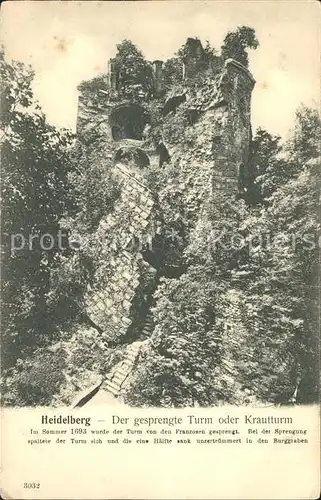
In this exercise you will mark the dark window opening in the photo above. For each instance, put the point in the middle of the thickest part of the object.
(116, 133)
(128, 122)
(172, 104)
(153, 255)
(193, 116)
(134, 156)
(164, 156)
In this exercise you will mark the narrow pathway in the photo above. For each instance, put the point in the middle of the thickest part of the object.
(123, 369)
(108, 390)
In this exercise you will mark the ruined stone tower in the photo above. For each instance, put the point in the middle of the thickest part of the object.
(219, 117)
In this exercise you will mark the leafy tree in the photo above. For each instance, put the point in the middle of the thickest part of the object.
(172, 72)
(182, 366)
(95, 84)
(280, 291)
(96, 90)
(305, 141)
(34, 381)
(211, 57)
(15, 88)
(266, 167)
(273, 164)
(94, 187)
(134, 72)
(35, 194)
(236, 43)
(177, 368)
(278, 278)
(94, 190)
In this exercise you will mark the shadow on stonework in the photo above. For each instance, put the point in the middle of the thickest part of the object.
(128, 121)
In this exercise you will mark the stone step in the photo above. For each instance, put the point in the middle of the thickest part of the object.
(131, 354)
(118, 379)
(133, 350)
(134, 345)
(114, 392)
(131, 359)
(128, 368)
(113, 385)
(121, 371)
(127, 363)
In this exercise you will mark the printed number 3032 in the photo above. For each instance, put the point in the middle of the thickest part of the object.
(33, 486)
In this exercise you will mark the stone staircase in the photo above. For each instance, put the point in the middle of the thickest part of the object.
(107, 391)
(114, 383)
(148, 326)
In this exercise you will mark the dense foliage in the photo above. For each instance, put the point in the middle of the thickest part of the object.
(135, 73)
(251, 305)
(48, 195)
(235, 310)
(35, 195)
(237, 42)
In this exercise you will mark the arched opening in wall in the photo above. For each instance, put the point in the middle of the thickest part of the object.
(164, 156)
(193, 116)
(172, 104)
(116, 133)
(128, 122)
(132, 156)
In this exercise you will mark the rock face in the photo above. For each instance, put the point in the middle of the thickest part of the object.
(219, 117)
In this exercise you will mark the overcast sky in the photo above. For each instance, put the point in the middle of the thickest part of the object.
(67, 42)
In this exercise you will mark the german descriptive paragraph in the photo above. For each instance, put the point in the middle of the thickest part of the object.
(166, 431)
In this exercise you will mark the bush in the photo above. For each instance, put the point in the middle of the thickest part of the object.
(34, 382)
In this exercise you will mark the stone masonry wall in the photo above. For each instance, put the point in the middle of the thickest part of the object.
(123, 235)
(124, 280)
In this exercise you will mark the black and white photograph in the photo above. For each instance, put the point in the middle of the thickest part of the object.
(160, 204)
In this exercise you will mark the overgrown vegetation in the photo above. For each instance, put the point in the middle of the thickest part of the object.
(236, 43)
(232, 324)
(253, 307)
(35, 195)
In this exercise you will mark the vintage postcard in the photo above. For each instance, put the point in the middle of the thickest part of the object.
(160, 193)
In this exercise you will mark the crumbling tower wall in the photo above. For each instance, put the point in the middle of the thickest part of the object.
(117, 303)
(126, 279)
